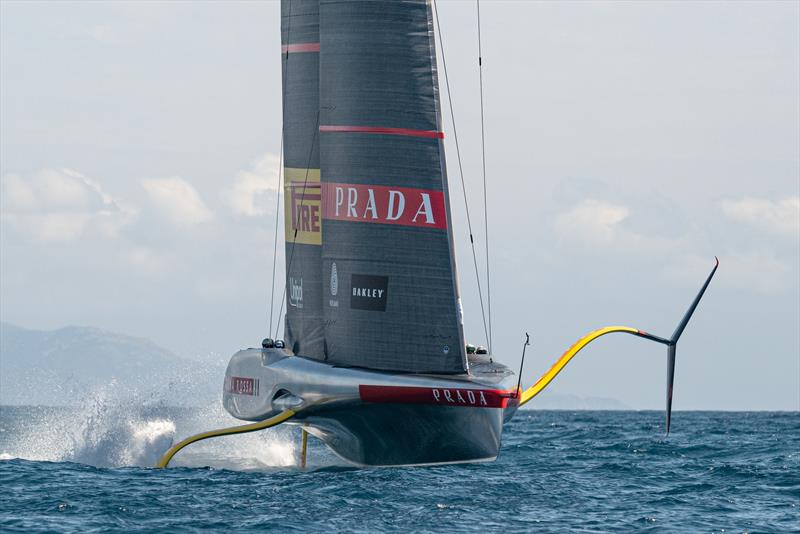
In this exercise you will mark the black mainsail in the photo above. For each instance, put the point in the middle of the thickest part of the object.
(304, 332)
(371, 279)
(389, 281)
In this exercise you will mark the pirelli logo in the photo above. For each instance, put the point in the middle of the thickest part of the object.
(241, 385)
(303, 212)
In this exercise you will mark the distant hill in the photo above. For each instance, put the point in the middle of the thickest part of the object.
(552, 400)
(60, 367)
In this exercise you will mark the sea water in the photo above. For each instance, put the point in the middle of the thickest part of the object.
(88, 469)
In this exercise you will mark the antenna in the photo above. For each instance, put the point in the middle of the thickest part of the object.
(522, 363)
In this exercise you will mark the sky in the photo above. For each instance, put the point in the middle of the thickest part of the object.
(627, 144)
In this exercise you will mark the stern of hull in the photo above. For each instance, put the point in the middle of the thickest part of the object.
(374, 418)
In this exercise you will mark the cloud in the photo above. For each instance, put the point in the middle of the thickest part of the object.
(103, 33)
(598, 224)
(60, 205)
(253, 191)
(781, 217)
(760, 271)
(591, 221)
(147, 261)
(178, 200)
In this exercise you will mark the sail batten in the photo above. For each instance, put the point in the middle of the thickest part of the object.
(382, 130)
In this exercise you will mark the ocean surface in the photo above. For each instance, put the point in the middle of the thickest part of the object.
(87, 469)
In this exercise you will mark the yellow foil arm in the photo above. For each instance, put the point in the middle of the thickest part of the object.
(548, 377)
(261, 425)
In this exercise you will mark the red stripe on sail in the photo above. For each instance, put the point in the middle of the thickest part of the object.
(384, 130)
(300, 47)
(378, 204)
(465, 397)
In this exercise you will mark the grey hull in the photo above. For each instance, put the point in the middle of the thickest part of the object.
(375, 418)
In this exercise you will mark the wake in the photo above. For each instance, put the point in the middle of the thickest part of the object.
(114, 428)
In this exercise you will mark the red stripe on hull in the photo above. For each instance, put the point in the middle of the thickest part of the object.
(431, 134)
(300, 47)
(465, 397)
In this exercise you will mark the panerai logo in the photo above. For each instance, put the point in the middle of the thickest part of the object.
(368, 292)
(334, 280)
(296, 292)
(334, 302)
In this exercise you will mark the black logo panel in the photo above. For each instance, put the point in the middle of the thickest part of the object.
(368, 292)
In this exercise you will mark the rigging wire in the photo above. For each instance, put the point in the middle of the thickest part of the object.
(461, 172)
(285, 69)
(297, 222)
(485, 197)
(275, 238)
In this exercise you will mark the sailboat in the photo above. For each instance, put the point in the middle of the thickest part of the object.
(374, 362)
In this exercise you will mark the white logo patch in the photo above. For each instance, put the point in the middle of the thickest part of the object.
(334, 280)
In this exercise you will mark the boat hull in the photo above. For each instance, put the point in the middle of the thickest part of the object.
(374, 418)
